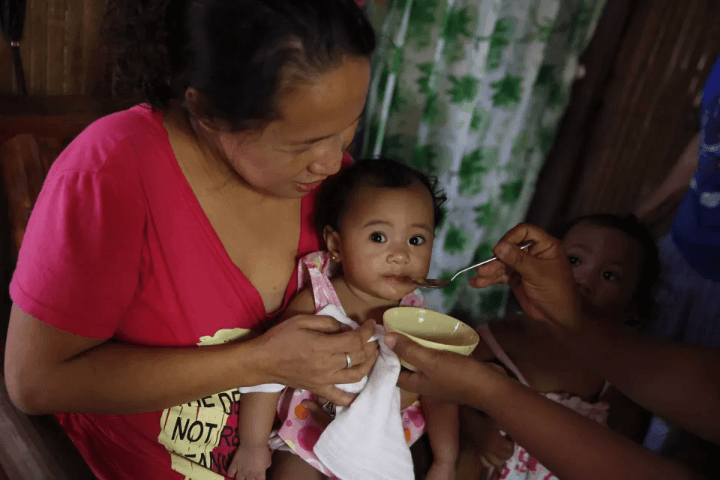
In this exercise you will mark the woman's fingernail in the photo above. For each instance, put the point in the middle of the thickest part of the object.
(503, 249)
(390, 340)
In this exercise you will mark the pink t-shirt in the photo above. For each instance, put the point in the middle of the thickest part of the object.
(118, 247)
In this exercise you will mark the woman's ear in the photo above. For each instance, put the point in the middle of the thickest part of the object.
(332, 240)
(197, 105)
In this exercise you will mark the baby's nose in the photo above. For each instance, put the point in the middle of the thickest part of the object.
(585, 286)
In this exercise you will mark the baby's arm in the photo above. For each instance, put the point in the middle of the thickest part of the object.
(256, 417)
(257, 413)
(481, 444)
(625, 416)
(443, 427)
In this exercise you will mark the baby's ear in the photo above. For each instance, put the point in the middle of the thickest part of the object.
(332, 240)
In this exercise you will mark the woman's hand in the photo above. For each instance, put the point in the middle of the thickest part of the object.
(541, 278)
(308, 352)
(446, 376)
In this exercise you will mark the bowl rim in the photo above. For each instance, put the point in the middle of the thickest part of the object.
(474, 339)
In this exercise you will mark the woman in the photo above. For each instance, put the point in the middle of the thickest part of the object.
(689, 290)
(679, 382)
(178, 224)
(689, 293)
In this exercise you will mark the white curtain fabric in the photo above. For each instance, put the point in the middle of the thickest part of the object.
(472, 91)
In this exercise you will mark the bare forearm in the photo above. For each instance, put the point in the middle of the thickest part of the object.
(571, 446)
(675, 381)
(116, 378)
(676, 181)
(443, 428)
(257, 414)
(627, 417)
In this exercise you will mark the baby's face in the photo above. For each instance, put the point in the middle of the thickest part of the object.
(386, 240)
(606, 265)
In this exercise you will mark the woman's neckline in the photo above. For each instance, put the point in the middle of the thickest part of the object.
(175, 132)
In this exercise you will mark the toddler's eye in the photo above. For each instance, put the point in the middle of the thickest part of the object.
(417, 240)
(611, 276)
(574, 261)
(377, 237)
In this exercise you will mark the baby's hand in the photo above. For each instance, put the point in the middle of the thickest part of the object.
(250, 462)
(483, 435)
(498, 450)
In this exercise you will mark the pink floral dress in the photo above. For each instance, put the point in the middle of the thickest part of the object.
(299, 432)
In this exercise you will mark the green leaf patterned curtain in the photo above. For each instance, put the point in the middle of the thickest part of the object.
(472, 91)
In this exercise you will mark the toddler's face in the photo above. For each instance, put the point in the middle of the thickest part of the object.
(606, 265)
(386, 240)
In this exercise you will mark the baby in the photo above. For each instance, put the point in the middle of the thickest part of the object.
(615, 264)
(378, 219)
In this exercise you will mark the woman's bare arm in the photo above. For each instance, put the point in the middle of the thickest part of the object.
(627, 417)
(676, 181)
(570, 445)
(48, 370)
(678, 382)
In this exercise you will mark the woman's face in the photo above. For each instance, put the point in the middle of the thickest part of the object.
(292, 155)
(606, 265)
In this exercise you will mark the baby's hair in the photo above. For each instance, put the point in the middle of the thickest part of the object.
(335, 192)
(649, 268)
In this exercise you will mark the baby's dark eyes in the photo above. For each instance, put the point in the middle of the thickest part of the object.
(611, 276)
(417, 240)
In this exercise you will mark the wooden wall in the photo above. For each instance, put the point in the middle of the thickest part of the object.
(628, 120)
(58, 48)
(634, 112)
(65, 70)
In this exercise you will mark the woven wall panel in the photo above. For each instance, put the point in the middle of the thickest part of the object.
(648, 113)
(58, 48)
(631, 116)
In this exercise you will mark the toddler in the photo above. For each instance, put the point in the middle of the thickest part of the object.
(378, 219)
(615, 264)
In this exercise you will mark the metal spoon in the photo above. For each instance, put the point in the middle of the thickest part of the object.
(438, 283)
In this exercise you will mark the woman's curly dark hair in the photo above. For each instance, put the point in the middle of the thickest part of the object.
(649, 267)
(239, 54)
(335, 192)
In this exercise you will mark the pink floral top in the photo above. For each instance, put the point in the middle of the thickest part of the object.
(299, 431)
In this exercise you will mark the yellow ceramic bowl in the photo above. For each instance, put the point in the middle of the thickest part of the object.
(431, 329)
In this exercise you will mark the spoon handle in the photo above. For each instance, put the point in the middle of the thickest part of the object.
(524, 246)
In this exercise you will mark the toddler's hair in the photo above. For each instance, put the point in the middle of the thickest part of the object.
(335, 192)
(649, 268)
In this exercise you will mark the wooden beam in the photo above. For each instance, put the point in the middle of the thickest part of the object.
(57, 116)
